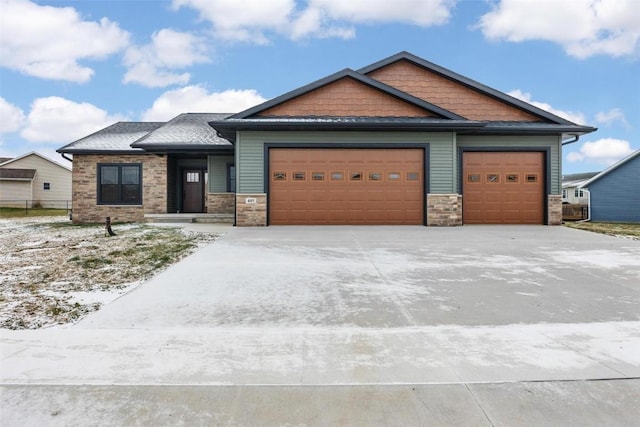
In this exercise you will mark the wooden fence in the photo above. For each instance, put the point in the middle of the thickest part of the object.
(574, 212)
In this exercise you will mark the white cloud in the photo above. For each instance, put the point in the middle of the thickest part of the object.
(151, 65)
(242, 20)
(256, 20)
(612, 116)
(196, 99)
(59, 120)
(11, 117)
(48, 42)
(572, 116)
(583, 27)
(605, 151)
(417, 12)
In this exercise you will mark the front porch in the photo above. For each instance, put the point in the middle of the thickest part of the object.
(211, 218)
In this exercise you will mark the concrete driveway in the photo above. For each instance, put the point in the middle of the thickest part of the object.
(390, 277)
(353, 325)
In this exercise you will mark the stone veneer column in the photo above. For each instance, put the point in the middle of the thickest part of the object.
(554, 209)
(221, 203)
(444, 210)
(251, 210)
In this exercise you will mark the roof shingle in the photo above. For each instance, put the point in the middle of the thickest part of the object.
(187, 129)
(21, 174)
(117, 137)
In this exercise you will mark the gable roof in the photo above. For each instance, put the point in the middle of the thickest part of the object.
(116, 138)
(33, 153)
(17, 174)
(184, 132)
(389, 90)
(574, 180)
(611, 168)
(465, 81)
(539, 122)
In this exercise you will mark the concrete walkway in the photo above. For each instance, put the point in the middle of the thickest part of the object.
(352, 325)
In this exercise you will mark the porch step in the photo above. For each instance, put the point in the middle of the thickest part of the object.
(189, 218)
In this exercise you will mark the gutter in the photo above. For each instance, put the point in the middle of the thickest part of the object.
(66, 158)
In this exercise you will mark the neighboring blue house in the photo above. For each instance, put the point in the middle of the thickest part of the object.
(615, 192)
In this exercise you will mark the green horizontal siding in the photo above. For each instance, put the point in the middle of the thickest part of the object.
(250, 149)
(443, 152)
(218, 173)
(553, 142)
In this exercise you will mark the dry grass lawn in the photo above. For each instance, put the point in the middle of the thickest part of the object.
(54, 272)
(613, 229)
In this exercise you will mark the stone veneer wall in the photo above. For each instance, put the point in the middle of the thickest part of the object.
(444, 210)
(251, 214)
(554, 209)
(221, 203)
(85, 188)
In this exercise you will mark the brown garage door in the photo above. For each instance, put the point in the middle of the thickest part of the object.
(346, 186)
(503, 188)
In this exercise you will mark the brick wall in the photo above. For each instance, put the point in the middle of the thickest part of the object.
(250, 214)
(444, 210)
(554, 209)
(221, 203)
(447, 94)
(346, 97)
(85, 188)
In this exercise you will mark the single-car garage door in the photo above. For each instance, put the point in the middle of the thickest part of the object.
(346, 186)
(503, 188)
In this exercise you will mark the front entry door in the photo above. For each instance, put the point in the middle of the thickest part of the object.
(193, 190)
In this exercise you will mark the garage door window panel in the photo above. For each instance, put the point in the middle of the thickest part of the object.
(512, 178)
(355, 176)
(413, 176)
(375, 176)
(493, 178)
(317, 176)
(473, 178)
(279, 176)
(299, 176)
(337, 176)
(394, 177)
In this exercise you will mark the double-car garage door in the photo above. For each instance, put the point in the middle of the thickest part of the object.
(386, 186)
(346, 186)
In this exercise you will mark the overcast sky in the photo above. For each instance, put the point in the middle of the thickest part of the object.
(69, 68)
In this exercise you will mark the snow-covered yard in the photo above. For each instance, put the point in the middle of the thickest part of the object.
(53, 272)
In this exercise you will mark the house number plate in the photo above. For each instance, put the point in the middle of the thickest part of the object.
(250, 200)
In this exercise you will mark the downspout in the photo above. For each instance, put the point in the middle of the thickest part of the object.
(588, 206)
(65, 157)
(576, 138)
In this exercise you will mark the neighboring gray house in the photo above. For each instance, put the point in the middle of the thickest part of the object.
(571, 193)
(615, 192)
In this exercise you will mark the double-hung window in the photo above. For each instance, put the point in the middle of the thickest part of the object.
(120, 184)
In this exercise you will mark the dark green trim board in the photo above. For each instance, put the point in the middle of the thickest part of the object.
(502, 149)
(424, 146)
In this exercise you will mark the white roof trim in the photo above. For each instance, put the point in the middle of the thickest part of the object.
(610, 169)
(37, 154)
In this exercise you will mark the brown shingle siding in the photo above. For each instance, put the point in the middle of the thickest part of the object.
(344, 98)
(447, 94)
